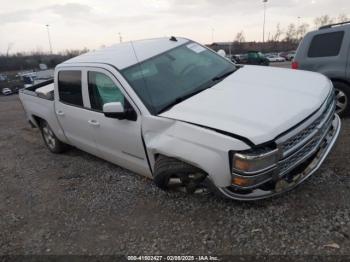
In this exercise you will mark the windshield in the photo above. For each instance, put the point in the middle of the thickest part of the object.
(261, 55)
(175, 75)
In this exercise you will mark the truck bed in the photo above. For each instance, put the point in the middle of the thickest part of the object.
(43, 90)
(39, 105)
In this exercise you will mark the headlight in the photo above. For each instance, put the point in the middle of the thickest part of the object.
(254, 162)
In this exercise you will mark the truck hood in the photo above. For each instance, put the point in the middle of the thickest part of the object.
(257, 103)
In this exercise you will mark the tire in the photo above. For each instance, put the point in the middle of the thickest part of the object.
(342, 92)
(191, 178)
(50, 139)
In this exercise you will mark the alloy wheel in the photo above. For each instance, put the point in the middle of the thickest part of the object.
(49, 137)
(341, 101)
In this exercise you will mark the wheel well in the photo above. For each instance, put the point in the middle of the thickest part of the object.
(341, 81)
(157, 155)
(38, 120)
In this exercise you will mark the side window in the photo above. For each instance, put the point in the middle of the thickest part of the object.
(252, 56)
(69, 87)
(102, 90)
(327, 44)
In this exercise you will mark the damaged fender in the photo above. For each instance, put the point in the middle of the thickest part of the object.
(198, 146)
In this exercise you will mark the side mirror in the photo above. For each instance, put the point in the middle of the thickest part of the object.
(114, 110)
(117, 110)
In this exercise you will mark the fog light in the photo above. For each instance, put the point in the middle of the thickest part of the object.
(239, 181)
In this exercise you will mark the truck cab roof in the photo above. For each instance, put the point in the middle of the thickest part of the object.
(126, 54)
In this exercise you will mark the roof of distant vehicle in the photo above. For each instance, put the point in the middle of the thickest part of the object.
(126, 54)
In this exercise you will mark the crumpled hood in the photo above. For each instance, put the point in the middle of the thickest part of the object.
(258, 103)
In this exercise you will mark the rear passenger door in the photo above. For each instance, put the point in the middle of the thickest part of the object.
(69, 107)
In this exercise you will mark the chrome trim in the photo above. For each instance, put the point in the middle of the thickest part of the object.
(252, 173)
(313, 133)
(312, 151)
(255, 177)
(252, 157)
(329, 140)
(308, 122)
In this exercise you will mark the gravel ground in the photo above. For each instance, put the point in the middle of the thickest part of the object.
(76, 203)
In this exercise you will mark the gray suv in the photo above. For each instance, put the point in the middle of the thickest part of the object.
(327, 51)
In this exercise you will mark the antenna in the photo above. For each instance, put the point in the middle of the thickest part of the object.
(173, 38)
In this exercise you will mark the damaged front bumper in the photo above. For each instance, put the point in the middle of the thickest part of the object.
(281, 184)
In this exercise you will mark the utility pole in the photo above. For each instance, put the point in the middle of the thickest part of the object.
(212, 34)
(49, 37)
(9, 47)
(298, 27)
(264, 2)
(120, 37)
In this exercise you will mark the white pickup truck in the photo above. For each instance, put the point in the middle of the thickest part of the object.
(177, 112)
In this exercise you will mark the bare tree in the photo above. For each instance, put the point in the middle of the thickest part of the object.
(301, 30)
(291, 33)
(278, 33)
(323, 20)
(343, 18)
(240, 38)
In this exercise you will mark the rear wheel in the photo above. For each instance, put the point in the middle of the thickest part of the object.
(342, 92)
(175, 175)
(51, 141)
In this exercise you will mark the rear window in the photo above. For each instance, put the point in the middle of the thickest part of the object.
(69, 87)
(328, 44)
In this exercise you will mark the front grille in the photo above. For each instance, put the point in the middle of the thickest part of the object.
(295, 140)
(300, 146)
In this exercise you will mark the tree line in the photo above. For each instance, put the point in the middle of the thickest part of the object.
(282, 39)
(32, 60)
(295, 32)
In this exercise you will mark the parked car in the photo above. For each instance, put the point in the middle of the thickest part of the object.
(284, 55)
(275, 58)
(189, 123)
(327, 51)
(253, 58)
(233, 60)
(291, 55)
(6, 91)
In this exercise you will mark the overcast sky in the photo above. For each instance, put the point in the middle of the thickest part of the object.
(75, 24)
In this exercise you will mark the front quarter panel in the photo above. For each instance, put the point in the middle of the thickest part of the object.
(198, 146)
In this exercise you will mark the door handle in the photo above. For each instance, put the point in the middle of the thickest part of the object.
(93, 123)
(59, 113)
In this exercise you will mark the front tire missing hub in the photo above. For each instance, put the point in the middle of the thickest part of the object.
(174, 175)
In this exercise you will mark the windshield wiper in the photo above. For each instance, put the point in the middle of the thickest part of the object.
(223, 76)
(180, 99)
(183, 98)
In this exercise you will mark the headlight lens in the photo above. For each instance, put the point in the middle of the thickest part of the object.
(252, 163)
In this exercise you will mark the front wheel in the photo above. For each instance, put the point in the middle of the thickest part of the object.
(342, 93)
(172, 174)
(51, 141)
